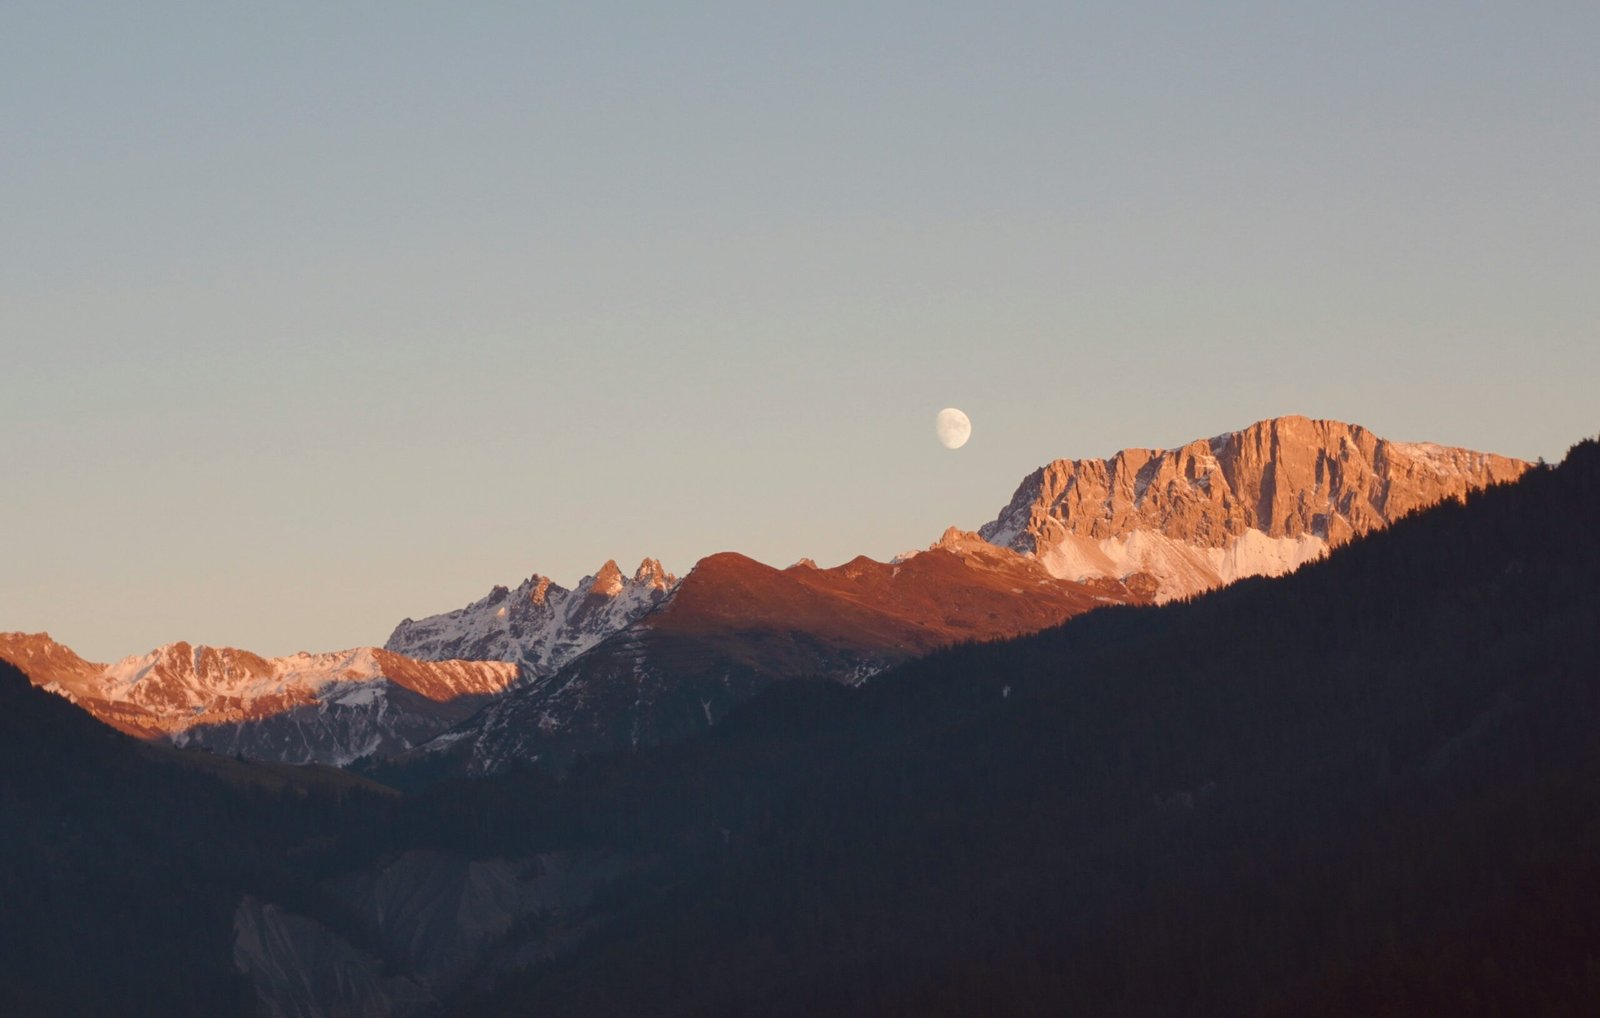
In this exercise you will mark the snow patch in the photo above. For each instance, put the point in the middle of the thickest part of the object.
(1179, 568)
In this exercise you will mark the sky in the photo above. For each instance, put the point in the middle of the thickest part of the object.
(318, 316)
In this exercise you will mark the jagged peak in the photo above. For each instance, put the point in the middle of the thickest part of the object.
(194, 652)
(20, 637)
(608, 581)
(17, 645)
(965, 544)
(653, 574)
(954, 539)
(538, 588)
(1258, 440)
(1266, 427)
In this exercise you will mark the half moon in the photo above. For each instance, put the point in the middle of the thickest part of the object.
(953, 428)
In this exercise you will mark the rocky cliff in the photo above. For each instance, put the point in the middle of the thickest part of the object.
(1260, 501)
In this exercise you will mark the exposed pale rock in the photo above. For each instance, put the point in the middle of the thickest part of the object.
(297, 967)
(428, 922)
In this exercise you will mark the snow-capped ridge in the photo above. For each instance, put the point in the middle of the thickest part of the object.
(541, 625)
(328, 708)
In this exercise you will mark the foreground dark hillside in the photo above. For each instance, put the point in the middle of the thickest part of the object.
(1370, 787)
(121, 864)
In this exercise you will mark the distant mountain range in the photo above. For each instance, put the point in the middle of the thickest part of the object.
(541, 672)
(308, 708)
(1078, 534)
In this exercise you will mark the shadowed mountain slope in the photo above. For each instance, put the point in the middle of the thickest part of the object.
(122, 862)
(1143, 525)
(1326, 793)
(735, 625)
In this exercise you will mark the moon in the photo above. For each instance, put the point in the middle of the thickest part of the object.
(952, 427)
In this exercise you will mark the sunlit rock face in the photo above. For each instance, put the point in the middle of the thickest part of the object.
(540, 625)
(1261, 501)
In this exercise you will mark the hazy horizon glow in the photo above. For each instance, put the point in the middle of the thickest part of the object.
(320, 316)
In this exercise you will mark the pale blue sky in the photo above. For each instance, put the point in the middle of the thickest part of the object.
(315, 316)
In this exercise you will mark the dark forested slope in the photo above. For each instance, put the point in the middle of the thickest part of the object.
(1372, 785)
(121, 864)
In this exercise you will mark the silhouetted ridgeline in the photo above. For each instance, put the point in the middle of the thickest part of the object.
(1371, 785)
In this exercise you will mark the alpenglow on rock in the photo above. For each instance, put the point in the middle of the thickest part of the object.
(1261, 501)
(540, 625)
(306, 708)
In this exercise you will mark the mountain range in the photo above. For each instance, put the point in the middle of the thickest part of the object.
(541, 672)
(1365, 788)
(308, 708)
(1077, 534)
(1257, 502)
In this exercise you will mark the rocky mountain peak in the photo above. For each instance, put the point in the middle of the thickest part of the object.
(542, 628)
(608, 581)
(538, 588)
(1261, 500)
(651, 573)
(47, 662)
(954, 539)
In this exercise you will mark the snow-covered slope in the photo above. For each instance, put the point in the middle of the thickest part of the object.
(541, 625)
(324, 708)
(1261, 501)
